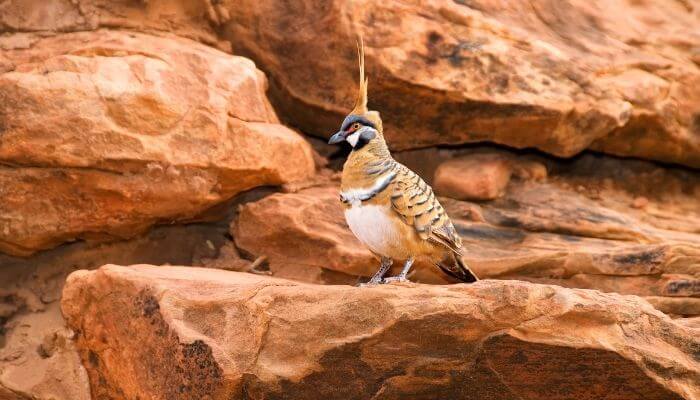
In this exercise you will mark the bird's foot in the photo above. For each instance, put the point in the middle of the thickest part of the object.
(372, 282)
(400, 278)
(378, 278)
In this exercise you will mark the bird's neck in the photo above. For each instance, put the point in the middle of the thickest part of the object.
(364, 165)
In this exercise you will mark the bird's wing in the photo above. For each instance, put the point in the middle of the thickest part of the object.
(417, 205)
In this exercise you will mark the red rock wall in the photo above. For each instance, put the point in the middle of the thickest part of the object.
(173, 132)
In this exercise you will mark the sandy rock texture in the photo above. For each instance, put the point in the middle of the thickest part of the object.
(130, 134)
(479, 177)
(38, 360)
(225, 335)
(578, 227)
(106, 133)
(193, 19)
(557, 76)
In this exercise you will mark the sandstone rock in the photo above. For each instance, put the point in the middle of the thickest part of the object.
(554, 233)
(38, 360)
(104, 134)
(561, 77)
(225, 335)
(529, 169)
(194, 19)
(640, 202)
(478, 177)
(547, 231)
(301, 231)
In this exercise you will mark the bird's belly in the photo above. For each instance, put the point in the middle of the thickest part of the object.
(376, 228)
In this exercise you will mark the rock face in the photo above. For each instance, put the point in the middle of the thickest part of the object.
(104, 134)
(225, 335)
(578, 228)
(558, 76)
(129, 134)
(194, 19)
(480, 177)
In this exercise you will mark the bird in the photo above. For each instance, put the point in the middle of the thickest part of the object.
(387, 206)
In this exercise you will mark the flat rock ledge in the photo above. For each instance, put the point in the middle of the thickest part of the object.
(146, 332)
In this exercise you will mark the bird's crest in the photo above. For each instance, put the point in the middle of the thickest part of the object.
(361, 102)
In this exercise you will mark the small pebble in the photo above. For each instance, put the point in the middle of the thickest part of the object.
(640, 202)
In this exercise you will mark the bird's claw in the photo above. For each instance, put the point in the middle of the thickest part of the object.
(399, 278)
(371, 282)
(375, 282)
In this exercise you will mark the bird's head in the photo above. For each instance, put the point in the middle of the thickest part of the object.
(361, 126)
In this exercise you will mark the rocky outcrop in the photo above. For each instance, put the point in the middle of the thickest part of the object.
(580, 227)
(193, 19)
(124, 124)
(479, 177)
(561, 77)
(225, 335)
(38, 359)
(105, 134)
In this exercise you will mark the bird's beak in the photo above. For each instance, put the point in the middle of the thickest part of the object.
(337, 138)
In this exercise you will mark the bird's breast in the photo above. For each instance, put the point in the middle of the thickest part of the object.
(374, 226)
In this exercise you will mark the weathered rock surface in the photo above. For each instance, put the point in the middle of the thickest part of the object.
(303, 235)
(479, 177)
(194, 19)
(104, 134)
(577, 228)
(225, 335)
(38, 359)
(558, 76)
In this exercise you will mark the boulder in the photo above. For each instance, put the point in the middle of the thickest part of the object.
(225, 335)
(557, 76)
(478, 177)
(38, 358)
(105, 133)
(193, 19)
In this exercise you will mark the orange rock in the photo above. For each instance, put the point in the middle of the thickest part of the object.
(560, 77)
(193, 19)
(529, 169)
(474, 177)
(38, 358)
(305, 228)
(640, 202)
(105, 134)
(546, 231)
(227, 335)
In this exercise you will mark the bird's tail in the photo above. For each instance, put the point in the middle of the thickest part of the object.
(458, 269)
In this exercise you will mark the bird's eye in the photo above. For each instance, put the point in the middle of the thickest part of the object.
(356, 126)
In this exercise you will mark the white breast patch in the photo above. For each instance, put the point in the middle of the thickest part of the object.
(373, 226)
(357, 196)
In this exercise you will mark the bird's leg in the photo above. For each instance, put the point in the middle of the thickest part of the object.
(404, 272)
(378, 277)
